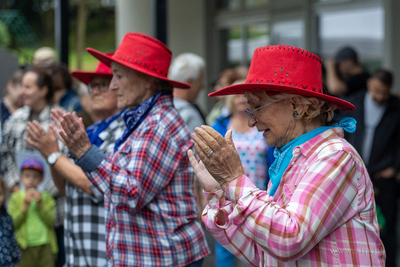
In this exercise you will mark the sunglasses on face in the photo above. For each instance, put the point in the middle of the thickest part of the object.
(102, 87)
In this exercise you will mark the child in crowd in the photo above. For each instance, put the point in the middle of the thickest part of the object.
(33, 215)
(9, 250)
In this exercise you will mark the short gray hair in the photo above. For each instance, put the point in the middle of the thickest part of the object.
(186, 66)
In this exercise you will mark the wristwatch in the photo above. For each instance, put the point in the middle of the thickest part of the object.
(53, 157)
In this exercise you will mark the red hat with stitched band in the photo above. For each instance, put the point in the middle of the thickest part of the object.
(101, 70)
(285, 69)
(144, 54)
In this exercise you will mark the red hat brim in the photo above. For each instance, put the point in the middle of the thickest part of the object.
(86, 77)
(243, 88)
(108, 59)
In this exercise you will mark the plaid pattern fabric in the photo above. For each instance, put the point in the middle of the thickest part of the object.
(85, 233)
(14, 133)
(323, 213)
(150, 205)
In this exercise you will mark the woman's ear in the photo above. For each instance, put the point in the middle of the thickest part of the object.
(297, 107)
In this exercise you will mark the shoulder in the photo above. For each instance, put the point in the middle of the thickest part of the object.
(164, 122)
(17, 195)
(20, 114)
(328, 144)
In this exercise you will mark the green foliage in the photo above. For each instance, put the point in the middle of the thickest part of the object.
(5, 37)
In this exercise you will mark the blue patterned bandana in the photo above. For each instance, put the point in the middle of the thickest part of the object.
(133, 117)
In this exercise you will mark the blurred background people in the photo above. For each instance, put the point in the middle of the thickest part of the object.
(345, 75)
(37, 96)
(64, 95)
(45, 57)
(10, 254)
(33, 216)
(188, 68)
(226, 78)
(252, 149)
(12, 100)
(84, 221)
(377, 140)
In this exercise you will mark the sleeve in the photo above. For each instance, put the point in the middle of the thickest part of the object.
(14, 247)
(47, 210)
(15, 211)
(8, 164)
(325, 198)
(140, 170)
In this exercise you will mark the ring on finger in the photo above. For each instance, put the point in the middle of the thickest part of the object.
(209, 154)
(43, 133)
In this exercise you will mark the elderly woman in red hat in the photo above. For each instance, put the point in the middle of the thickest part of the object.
(319, 208)
(151, 211)
(84, 224)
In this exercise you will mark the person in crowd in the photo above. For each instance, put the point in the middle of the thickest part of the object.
(319, 209)
(377, 140)
(33, 215)
(188, 68)
(10, 254)
(64, 96)
(45, 57)
(252, 149)
(226, 78)
(37, 95)
(84, 221)
(12, 100)
(345, 75)
(152, 213)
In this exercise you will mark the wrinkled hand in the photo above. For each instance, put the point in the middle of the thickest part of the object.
(224, 164)
(71, 132)
(45, 143)
(207, 182)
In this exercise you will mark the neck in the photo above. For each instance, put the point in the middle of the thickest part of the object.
(58, 95)
(182, 94)
(107, 113)
(239, 122)
(11, 106)
(39, 106)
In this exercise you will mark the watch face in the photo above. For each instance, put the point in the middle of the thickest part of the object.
(52, 158)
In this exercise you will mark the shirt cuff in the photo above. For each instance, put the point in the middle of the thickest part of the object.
(91, 159)
(238, 188)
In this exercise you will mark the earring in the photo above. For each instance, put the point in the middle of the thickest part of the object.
(295, 114)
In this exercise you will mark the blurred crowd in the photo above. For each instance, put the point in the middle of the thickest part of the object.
(54, 214)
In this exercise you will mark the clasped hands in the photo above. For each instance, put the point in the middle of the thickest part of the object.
(69, 129)
(219, 162)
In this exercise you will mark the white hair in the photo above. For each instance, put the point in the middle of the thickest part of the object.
(186, 66)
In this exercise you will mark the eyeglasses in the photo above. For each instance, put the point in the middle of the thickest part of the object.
(103, 87)
(250, 113)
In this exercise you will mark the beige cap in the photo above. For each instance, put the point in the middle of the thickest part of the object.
(44, 55)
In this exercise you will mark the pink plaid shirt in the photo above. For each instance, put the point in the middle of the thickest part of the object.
(323, 213)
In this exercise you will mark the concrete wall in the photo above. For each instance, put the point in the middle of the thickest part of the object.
(133, 16)
(186, 27)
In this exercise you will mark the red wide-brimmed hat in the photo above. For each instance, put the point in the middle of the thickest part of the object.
(285, 69)
(101, 70)
(144, 54)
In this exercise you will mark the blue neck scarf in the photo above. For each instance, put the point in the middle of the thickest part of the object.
(134, 117)
(94, 130)
(283, 155)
